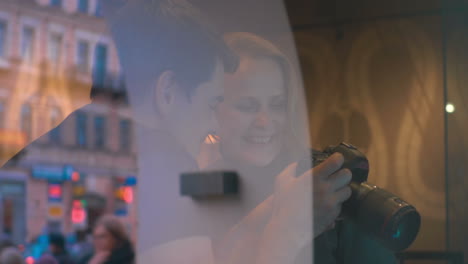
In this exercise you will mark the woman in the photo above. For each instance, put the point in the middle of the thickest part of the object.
(263, 129)
(11, 255)
(111, 243)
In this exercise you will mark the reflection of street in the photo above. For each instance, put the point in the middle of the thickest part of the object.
(64, 178)
(12, 208)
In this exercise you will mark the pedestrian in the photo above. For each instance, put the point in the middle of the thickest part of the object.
(58, 249)
(11, 255)
(47, 259)
(112, 244)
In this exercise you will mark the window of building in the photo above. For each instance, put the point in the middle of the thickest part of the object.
(100, 64)
(3, 38)
(83, 6)
(27, 44)
(56, 3)
(55, 135)
(55, 48)
(98, 11)
(125, 134)
(100, 132)
(81, 129)
(26, 120)
(83, 56)
(2, 114)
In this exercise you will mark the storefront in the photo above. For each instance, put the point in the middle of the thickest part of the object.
(13, 206)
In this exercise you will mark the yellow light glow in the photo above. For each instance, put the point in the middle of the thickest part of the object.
(450, 108)
(211, 139)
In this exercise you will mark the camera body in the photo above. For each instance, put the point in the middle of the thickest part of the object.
(381, 214)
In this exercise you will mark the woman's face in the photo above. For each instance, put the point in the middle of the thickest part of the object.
(252, 117)
(103, 239)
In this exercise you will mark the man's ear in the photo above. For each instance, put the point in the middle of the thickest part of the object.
(165, 92)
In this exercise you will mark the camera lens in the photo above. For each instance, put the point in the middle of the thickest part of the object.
(386, 217)
(406, 222)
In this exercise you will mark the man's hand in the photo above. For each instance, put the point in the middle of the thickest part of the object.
(326, 185)
(330, 191)
(290, 228)
(281, 225)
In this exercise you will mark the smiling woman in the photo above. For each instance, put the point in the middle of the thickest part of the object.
(260, 103)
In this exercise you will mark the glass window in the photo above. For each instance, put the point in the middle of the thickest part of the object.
(3, 38)
(98, 11)
(125, 134)
(100, 64)
(2, 114)
(26, 120)
(81, 128)
(55, 47)
(27, 44)
(54, 134)
(83, 6)
(83, 56)
(56, 3)
(100, 132)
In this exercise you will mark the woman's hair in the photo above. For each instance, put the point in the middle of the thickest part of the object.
(114, 226)
(11, 255)
(245, 44)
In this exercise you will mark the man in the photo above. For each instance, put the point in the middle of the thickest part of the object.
(58, 250)
(174, 64)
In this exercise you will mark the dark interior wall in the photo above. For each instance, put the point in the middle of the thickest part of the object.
(313, 12)
(456, 68)
(374, 77)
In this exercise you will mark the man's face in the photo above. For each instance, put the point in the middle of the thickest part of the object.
(195, 118)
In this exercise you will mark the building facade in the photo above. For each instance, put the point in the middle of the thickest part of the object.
(53, 55)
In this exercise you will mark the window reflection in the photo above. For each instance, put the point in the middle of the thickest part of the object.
(81, 127)
(3, 38)
(27, 43)
(83, 56)
(26, 120)
(83, 6)
(57, 3)
(55, 134)
(55, 48)
(100, 64)
(100, 132)
(125, 137)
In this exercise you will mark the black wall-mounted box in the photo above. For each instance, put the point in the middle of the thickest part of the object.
(210, 183)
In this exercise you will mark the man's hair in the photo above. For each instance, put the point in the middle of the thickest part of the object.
(57, 240)
(154, 36)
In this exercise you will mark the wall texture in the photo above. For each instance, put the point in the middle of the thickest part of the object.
(379, 85)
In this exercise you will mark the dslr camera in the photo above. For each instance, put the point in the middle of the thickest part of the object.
(382, 215)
